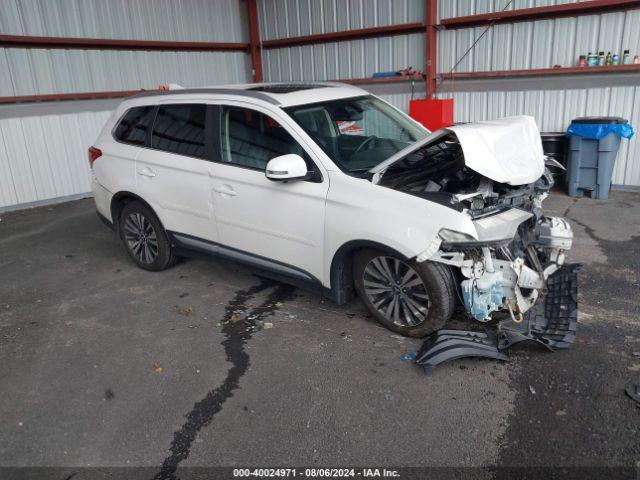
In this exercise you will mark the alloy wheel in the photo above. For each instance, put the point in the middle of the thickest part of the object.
(141, 238)
(396, 290)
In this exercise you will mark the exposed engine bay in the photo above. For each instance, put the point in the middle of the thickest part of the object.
(438, 172)
(514, 272)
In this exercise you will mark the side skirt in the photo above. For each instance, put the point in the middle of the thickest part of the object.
(190, 246)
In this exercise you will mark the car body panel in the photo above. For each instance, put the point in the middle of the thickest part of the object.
(114, 170)
(277, 220)
(359, 210)
(179, 190)
(508, 150)
(282, 221)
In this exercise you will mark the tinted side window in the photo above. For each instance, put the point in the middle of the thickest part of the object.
(134, 125)
(180, 129)
(251, 139)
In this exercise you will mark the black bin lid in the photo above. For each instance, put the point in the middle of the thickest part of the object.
(606, 120)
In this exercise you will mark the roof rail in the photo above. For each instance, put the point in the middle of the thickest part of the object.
(221, 91)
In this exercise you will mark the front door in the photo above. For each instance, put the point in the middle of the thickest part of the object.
(278, 223)
(173, 174)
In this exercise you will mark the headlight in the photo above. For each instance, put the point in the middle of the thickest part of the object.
(451, 236)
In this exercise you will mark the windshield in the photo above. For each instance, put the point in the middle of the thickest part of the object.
(357, 133)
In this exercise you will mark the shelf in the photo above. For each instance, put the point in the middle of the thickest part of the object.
(380, 81)
(613, 69)
(357, 34)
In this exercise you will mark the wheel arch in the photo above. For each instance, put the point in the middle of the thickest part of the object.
(341, 271)
(120, 200)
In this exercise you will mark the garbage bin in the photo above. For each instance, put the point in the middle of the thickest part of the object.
(593, 147)
(554, 145)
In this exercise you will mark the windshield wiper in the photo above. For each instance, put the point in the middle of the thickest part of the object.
(361, 173)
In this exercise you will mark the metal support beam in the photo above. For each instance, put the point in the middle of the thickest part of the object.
(540, 13)
(61, 97)
(254, 41)
(356, 34)
(24, 41)
(431, 10)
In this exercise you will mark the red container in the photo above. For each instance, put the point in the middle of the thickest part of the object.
(433, 114)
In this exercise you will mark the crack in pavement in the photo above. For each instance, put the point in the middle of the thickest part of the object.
(237, 332)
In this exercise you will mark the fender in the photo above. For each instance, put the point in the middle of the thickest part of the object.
(119, 200)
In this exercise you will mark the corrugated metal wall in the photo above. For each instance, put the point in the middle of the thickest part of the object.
(459, 8)
(349, 59)
(292, 18)
(525, 45)
(544, 44)
(178, 20)
(43, 156)
(553, 111)
(540, 44)
(35, 71)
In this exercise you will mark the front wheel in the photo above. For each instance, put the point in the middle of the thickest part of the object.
(409, 298)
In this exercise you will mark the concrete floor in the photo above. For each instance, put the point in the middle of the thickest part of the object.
(104, 364)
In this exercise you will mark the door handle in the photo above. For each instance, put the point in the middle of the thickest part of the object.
(226, 190)
(146, 172)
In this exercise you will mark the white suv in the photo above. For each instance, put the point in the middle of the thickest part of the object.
(330, 186)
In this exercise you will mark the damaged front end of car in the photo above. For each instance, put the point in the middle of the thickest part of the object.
(512, 273)
(515, 271)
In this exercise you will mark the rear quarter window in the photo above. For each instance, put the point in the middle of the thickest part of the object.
(180, 129)
(134, 125)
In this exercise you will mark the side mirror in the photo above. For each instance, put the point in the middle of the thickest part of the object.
(286, 167)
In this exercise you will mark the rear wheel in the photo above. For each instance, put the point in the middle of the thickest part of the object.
(409, 298)
(144, 237)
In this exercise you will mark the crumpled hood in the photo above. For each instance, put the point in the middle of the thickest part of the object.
(508, 150)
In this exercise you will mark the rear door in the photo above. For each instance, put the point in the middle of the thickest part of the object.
(173, 172)
(278, 223)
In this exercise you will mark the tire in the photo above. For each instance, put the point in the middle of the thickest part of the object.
(423, 304)
(155, 253)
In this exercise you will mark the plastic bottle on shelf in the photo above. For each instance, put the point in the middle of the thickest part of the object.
(615, 59)
(592, 60)
(635, 60)
(601, 59)
(608, 60)
(626, 58)
(582, 61)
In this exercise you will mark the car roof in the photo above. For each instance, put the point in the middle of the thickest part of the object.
(280, 94)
